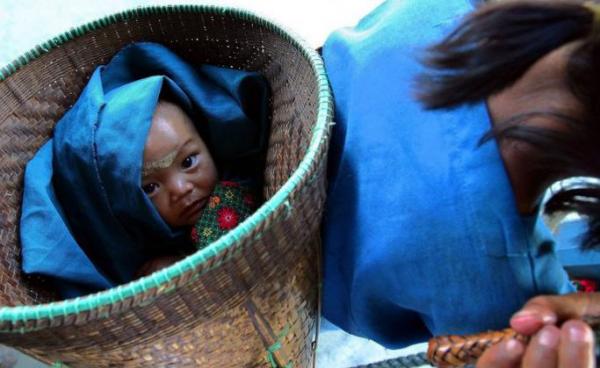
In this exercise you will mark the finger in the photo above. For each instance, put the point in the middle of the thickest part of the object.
(576, 349)
(529, 321)
(544, 310)
(506, 354)
(542, 350)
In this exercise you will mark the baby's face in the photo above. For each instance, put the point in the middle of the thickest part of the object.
(178, 174)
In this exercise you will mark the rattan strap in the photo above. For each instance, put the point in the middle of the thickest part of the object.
(459, 351)
(451, 351)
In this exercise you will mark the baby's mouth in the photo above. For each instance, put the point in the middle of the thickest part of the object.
(193, 209)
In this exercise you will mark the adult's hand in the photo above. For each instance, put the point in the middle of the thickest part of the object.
(559, 338)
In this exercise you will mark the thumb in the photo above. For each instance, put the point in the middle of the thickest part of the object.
(506, 354)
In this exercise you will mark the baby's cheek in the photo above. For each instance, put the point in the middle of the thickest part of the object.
(160, 205)
(212, 181)
(195, 219)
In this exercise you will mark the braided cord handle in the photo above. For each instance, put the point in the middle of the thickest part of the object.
(459, 351)
(463, 351)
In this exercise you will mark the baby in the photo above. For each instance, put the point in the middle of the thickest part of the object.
(131, 169)
(179, 175)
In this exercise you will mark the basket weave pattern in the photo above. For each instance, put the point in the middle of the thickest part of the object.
(227, 307)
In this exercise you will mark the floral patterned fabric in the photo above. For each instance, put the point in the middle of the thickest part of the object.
(229, 205)
(585, 285)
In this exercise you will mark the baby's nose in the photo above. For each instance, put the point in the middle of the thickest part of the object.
(180, 186)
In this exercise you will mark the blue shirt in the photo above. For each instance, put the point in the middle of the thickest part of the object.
(421, 230)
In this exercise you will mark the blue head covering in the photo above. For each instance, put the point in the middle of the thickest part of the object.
(86, 222)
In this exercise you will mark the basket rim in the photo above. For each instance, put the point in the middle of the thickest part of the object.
(159, 279)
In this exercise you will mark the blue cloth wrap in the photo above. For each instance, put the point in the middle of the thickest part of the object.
(421, 232)
(85, 220)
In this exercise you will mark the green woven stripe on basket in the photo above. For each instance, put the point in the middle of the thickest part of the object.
(279, 199)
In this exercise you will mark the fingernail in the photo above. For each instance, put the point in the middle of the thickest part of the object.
(548, 338)
(548, 319)
(530, 314)
(580, 334)
(514, 349)
(526, 316)
(524, 313)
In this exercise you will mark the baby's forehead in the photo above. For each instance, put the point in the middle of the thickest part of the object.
(170, 117)
(150, 167)
(170, 131)
(168, 108)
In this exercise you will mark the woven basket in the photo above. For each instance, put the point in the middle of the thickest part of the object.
(248, 300)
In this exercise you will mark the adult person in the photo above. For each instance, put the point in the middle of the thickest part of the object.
(432, 222)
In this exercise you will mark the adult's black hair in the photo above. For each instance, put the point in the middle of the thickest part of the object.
(491, 49)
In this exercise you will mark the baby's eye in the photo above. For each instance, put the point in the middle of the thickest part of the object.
(150, 188)
(189, 161)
